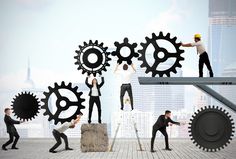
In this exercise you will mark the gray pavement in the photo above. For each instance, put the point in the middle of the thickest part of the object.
(123, 149)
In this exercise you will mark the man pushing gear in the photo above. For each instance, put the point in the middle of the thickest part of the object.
(203, 56)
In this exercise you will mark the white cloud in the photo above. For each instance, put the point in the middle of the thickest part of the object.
(168, 20)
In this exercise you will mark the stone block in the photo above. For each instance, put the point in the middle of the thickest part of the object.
(94, 138)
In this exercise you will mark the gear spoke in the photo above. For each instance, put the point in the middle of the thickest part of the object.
(155, 45)
(155, 65)
(57, 93)
(172, 55)
(62, 98)
(159, 60)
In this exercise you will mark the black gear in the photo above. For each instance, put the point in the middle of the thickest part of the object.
(25, 105)
(60, 98)
(92, 48)
(121, 58)
(211, 128)
(158, 60)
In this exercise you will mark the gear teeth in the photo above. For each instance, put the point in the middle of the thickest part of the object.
(168, 35)
(101, 45)
(90, 42)
(86, 68)
(85, 44)
(80, 47)
(174, 39)
(54, 116)
(195, 132)
(161, 34)
(23, 100)
(152, 41)
(147, 39)
(125, 44)
(154, 36)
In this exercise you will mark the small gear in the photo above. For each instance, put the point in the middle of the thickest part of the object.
(94, 67)
(25, 106)
(211, 128)
(62, 99)
(132, 54)
(166, 55)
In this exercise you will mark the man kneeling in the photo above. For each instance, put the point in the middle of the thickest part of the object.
(58, 133)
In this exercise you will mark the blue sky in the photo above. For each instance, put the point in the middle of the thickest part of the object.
(47, 32)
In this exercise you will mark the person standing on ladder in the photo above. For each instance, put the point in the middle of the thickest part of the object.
(203, 56)
(126, 74)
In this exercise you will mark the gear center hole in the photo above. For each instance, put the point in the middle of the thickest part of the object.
(63, 103)
(92, 58)
(160, 55)
(125, 51)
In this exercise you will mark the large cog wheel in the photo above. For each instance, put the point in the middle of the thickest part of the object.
(97, 50)
(131, 47)
(60, 99)
(166, 55)
(211, 128)
(25, 106)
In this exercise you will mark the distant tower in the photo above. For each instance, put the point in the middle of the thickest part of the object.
(29, 83)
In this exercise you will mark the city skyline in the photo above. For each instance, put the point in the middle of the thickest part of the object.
(39, 38)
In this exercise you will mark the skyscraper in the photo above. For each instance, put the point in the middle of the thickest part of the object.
(222, 32)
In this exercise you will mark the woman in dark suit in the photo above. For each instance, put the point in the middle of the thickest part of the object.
(94, 94)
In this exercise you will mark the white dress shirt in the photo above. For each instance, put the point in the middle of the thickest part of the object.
(200, 47)
(64, 127)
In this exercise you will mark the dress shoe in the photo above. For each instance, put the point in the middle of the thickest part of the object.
(52, 151)
(15, 148)
(168, 149)
(4, 148)
(152, 151)
(69, 148)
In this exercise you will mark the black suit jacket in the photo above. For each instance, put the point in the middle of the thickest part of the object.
(91, 86)
(10, 124)
(162, 122)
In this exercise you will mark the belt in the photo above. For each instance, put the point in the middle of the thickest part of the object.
(203, 53)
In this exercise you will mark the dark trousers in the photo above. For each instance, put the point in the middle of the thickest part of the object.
(94, 100)
(57, 135)
(163, 131)
(11, 138)
(204, 59)
(123, 89)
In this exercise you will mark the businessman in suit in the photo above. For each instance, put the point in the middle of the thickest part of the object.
(161, 124)
(11, 130)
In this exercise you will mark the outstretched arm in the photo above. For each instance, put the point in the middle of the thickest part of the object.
(132, 65)
(187, 45)
(174, 122)
(86, 82)
(12, 121)
(101, 84)
(77, 119)
(116, 69)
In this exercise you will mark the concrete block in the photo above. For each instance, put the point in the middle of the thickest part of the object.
(94, 138)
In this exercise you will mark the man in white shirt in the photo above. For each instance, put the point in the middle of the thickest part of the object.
(126, 75)
(58, 133)
(204, 59)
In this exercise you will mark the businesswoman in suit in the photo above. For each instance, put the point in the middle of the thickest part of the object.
(94, 94)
